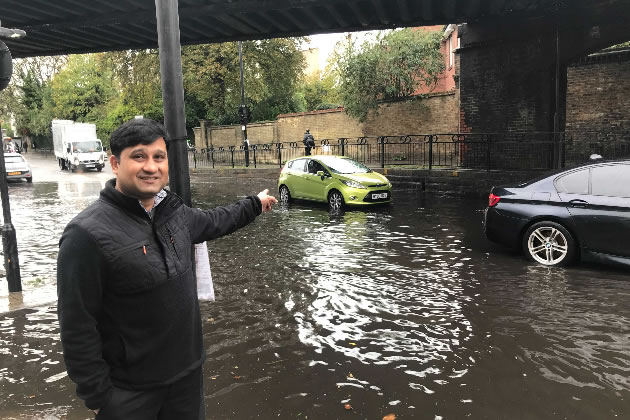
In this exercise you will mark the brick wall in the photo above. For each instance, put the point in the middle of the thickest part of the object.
(434, 114)
(437, 113)
(324, 124)
(598, 93)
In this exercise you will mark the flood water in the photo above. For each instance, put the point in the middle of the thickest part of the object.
(403, 310)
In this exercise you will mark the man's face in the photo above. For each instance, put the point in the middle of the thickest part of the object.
(142, 170)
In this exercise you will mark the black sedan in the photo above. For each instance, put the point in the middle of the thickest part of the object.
(579, 213)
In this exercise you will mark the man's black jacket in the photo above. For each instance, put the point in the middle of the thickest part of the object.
(128, 308)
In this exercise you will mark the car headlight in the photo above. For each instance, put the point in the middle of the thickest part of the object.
(353, 184)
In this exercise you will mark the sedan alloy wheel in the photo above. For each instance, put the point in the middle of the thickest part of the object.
(549, 243)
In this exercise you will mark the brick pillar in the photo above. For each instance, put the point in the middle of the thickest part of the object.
(203, 134)
(507, 84)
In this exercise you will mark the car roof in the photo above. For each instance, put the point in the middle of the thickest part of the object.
(555, 173)
(321, 156)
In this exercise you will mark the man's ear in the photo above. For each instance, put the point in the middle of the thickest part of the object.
(114, 164)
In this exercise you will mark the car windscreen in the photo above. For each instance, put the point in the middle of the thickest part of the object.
(87, 146)
(345, 166)
(13, 159)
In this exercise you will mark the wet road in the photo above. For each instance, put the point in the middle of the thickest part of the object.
(403, 310)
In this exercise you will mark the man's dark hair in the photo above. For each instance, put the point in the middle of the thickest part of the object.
(134, 132)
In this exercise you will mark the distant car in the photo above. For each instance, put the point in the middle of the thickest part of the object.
(17, 167)
(337, 180)
(579, 213)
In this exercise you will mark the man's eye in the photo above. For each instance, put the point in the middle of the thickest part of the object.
(137, 157)
(160, 157)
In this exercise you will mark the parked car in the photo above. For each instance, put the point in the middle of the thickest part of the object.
(17, 167)
(337, 180)
(579, 213)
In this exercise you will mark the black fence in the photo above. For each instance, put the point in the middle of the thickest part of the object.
(488, 151)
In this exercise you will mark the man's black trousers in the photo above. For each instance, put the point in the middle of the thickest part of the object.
(182, 400)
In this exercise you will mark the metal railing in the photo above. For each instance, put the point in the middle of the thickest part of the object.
(486, 151)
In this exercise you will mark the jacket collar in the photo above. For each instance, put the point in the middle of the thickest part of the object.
(131, 204)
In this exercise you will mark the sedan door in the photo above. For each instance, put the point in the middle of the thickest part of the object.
(602, 216)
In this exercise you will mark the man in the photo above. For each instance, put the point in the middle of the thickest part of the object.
(128, 309)
(309, 142)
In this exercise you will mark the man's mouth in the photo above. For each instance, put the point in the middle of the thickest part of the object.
(149, 179)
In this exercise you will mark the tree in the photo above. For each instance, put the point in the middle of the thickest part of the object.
(320, 93)
(272, 69)
(28, 96)
(391, 68)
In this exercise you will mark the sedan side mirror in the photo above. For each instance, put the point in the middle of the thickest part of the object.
(321, 174)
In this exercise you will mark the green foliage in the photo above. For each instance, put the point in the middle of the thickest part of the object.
(110, 88)
(391, 68)
(6, 127)
(320, 93)
(271, 70)
(83, 88)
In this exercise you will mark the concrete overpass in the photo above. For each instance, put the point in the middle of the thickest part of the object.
(76, 26)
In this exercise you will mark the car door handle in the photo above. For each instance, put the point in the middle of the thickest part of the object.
(578, 203)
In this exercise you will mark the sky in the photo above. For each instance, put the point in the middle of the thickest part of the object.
(326, 43)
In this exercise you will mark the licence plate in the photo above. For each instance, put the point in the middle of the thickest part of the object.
(377, 196)
(15, 173)
(89, 165)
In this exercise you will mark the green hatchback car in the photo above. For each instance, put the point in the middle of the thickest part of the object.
(337, 180)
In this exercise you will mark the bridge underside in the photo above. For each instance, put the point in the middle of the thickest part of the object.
(74, 26)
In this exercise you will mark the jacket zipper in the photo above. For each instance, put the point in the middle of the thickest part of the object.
(172, 241)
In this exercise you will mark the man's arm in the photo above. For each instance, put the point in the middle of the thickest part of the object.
(80, 268)
(206, 225)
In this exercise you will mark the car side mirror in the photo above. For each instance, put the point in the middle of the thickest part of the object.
(321, 174)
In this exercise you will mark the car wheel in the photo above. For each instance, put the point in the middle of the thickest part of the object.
(335, 200)
(285, 195)
(99, 168)
(549, 243)
(29, 180)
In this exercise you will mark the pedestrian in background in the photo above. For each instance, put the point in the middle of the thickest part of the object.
(25, 146)
(309, 142)
(128, 309)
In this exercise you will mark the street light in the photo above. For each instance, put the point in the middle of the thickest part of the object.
(9, 241)
(243, 111)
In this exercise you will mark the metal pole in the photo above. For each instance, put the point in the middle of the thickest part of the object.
(243, 113)
(173, 96)
(9, 241)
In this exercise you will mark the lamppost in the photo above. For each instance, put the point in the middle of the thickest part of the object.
(9, 240)
(243, 111)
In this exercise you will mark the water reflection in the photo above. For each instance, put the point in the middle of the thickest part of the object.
(40, 211)
(372, 296)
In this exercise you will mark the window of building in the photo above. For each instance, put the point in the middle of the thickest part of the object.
(451, 54)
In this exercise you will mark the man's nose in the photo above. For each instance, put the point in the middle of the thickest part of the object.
(150, 165)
